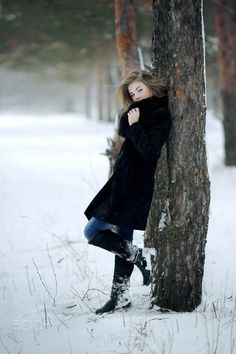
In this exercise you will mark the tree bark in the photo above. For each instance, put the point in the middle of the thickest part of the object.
(225, 23)
(178, 220)
(126, 36)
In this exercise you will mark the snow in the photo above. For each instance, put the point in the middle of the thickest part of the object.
(162, 221)
(51, 280)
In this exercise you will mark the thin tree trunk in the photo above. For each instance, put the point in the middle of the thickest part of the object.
(178, 220)
(128, 57)
(100, 90)
(87, 99)
(126, 36)
(109, 95)
(225, 23)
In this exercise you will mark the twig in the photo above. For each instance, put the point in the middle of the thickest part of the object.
(207, 335)
(14, 283)
(45, 315)
(1, 341)
(203, 315)
(41, 279)
(70, 347)
(159, 319)
(88, 287)
(98, 289)
(27, 276)
(217, 334)
(90, 333)
(78, 295)
(4, 287)
(177, 325)
(70, 307)
(123, 316)
(232, 340)
(34, 335)
(61, 321)
(214, 308)
(21, 349)
(55, 277)
(10, 335)
(95, 289)
(49, 321)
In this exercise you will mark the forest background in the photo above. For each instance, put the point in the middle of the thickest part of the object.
(60, 56)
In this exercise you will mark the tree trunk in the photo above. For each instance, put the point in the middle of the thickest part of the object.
(178, 220)
(100, 93)
(109, 94)
(128, 57)
(225, 23)
(87, 98)
(126, 36)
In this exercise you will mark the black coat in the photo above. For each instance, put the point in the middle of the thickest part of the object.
(126, 197)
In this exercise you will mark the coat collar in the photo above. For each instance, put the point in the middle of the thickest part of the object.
(150, 103)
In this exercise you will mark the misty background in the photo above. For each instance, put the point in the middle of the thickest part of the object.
(60, 57)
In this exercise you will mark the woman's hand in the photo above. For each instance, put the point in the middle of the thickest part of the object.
(133, 116)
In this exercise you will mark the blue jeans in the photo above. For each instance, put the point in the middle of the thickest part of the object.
(95, 224)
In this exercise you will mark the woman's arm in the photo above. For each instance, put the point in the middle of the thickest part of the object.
(123, 125)
(149, 142)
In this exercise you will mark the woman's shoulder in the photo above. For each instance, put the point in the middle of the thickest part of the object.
(157, 111)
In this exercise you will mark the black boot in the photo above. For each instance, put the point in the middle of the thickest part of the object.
(141, 263)
(123, 248)
(119, 298)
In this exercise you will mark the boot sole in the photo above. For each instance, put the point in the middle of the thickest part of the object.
(116, 309)
(119, 309)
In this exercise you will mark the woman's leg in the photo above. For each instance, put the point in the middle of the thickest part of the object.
(93, 226)
(99, 234)
(122, 269)
(119, 297)
(112, 242)
(126, 232)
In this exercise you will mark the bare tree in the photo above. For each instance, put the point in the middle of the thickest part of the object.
(126, 36)
(128, 57)
(225, 24)
(178, 219)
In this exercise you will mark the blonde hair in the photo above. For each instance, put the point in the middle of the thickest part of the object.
(151, 81)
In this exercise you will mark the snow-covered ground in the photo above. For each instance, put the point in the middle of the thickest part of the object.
(51, 280)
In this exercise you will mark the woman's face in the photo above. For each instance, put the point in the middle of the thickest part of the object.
(139, 91)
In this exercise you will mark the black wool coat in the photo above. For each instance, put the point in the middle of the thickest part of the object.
(126, 197)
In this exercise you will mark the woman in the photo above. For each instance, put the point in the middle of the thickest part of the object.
(123, 204)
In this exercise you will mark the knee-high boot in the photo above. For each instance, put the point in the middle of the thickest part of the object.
(123, 248)
(119, 297)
